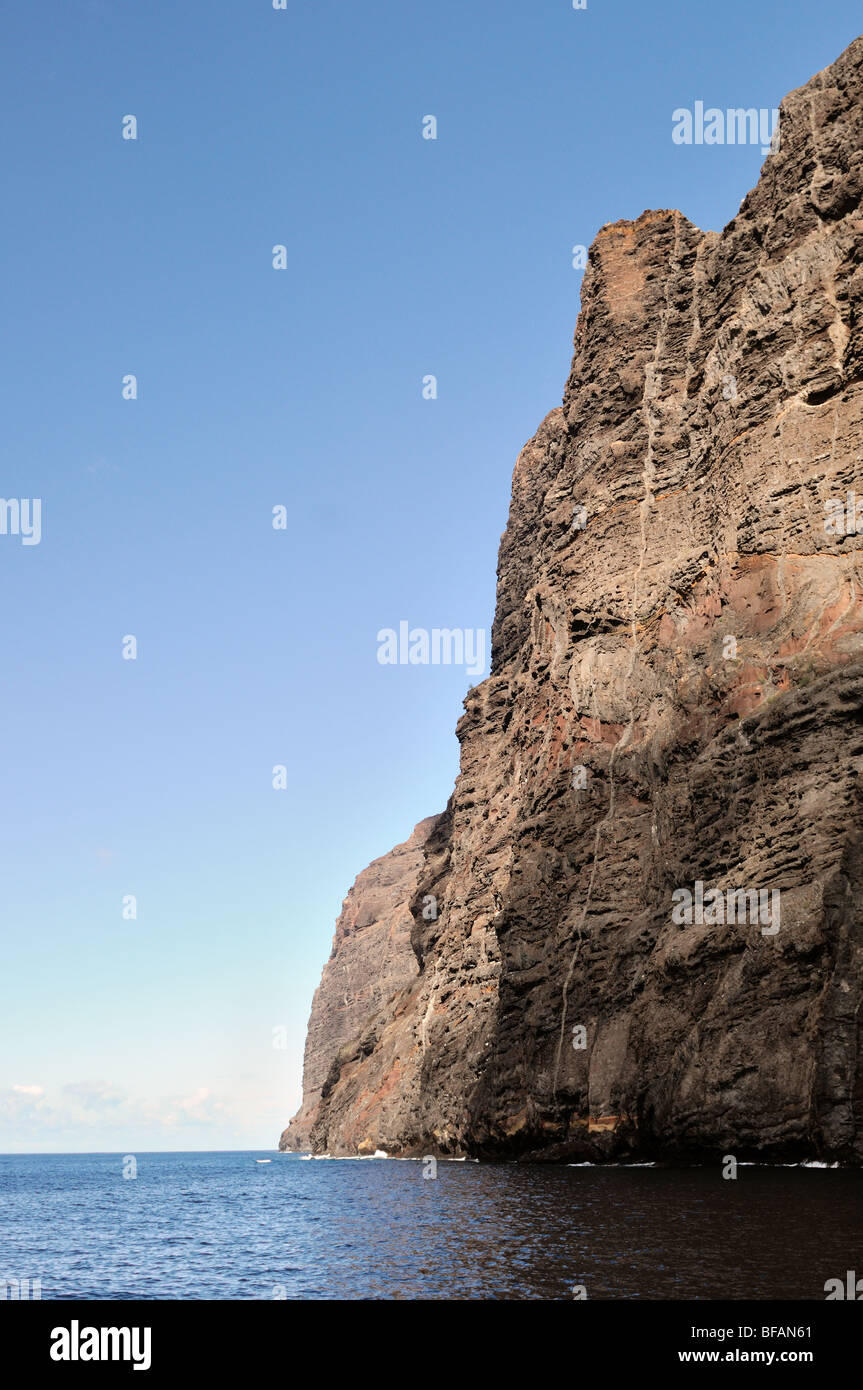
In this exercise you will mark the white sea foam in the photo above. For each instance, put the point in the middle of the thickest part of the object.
(610, 1165)
(380, 1153)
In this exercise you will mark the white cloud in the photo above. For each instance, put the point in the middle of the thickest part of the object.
(94, 1095)
(100, 1114)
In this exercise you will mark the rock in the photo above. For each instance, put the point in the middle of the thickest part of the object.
(371, 960)
(676, 697)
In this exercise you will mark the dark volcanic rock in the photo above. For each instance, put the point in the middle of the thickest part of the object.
(697, 649)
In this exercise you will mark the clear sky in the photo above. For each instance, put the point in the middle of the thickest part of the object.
(258, 388)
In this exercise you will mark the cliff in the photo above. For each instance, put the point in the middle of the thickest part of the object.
(371, 961)
(675, 699)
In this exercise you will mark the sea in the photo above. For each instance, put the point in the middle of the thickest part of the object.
(264, 1225)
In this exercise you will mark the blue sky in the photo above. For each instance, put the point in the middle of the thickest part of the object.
(257, 388)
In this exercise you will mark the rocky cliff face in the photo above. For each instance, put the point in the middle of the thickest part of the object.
(371, 961)
(676, 698)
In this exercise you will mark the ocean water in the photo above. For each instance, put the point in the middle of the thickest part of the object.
(224, 1226)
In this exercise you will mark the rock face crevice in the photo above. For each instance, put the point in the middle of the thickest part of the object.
(676, 697)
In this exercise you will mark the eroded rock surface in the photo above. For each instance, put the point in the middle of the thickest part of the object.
(624, 747)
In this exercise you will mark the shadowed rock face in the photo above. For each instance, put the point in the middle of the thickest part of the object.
(624, 747)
